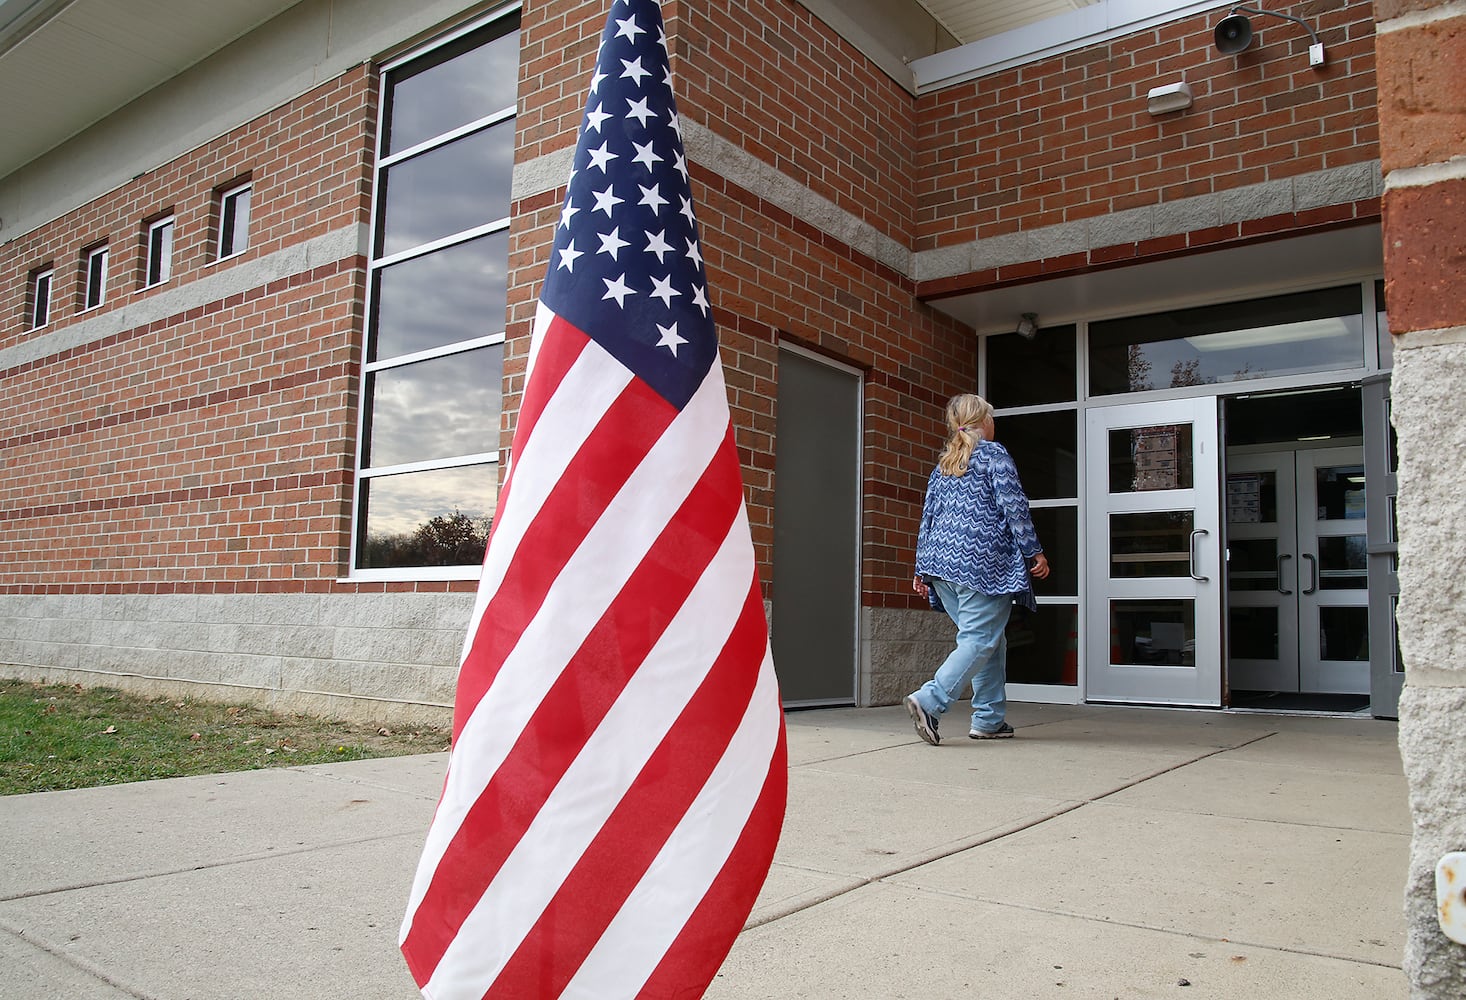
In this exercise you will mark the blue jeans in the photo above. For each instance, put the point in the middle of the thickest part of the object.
(981, 656)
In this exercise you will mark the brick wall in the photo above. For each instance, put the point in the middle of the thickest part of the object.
(1069, 137)
(210, 448)
(778, 84)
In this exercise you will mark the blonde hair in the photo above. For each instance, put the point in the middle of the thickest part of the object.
(965, 416)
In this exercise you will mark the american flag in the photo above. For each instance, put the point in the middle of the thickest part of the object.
(618, 775)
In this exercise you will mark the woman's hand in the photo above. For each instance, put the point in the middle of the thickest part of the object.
(1040, 568)
(919, 585)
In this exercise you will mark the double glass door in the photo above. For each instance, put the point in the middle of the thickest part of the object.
(1297, 572)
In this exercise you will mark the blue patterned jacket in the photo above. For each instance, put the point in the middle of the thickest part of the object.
(976, 529)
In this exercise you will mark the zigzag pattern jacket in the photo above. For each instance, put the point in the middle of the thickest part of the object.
(976, 529)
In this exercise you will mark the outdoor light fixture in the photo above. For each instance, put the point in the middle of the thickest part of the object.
(1171, 97)
(1028, 326)
(1234, 32)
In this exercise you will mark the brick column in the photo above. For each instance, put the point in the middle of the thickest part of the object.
(1421, 50)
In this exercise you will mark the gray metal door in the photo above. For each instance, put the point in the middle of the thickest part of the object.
(816, 585)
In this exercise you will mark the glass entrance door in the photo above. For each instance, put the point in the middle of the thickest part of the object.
(1153, 524)
(1298, 601)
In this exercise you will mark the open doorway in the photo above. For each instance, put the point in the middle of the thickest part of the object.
(1298, 602)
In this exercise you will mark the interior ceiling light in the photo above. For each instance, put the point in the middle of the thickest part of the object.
(1234, 32)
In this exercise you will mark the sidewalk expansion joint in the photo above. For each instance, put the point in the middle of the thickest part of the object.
(243, 859)
(74, 961)
(967, 844)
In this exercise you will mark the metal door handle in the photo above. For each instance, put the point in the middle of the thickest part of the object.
(1281, 590)
(1312, 573)
(1191, 555)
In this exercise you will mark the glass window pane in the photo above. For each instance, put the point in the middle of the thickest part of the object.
(1340, 492)
(453, 294)
(1253, 633)
(1058, 533)
(1155, 543)
(1023, 372)
(1044, 447)
(1395, 619)
(1343, 634)
(438, 518)
(1150, 458)
(1341, 563)
(1252, 498)
(447, 190)
(1382, 329)
(1153, 632)
(454, 85)
(1252, 564)
(443, 408)
(1043, 647)
(1304, 332)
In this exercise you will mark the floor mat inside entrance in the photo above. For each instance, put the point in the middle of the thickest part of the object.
(1283, 701)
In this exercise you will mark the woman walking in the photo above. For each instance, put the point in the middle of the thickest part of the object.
(975, 552)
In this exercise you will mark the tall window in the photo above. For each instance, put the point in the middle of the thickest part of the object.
(431, 387)
(40, 311)
(159, 266)
(233, 221)
(95, 264)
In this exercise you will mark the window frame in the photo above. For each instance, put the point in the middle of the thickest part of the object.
(377, 261)
(158, 259)
(38, 315)
(95, 267)
(231, 221)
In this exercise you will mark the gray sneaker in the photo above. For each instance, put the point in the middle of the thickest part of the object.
(1003, 732)
(926, 723)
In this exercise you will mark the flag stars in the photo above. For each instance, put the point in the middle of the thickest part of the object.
(634, 69)
(595, 82)
(662, 289)
(568, 256)
(693, 253)
(606, 200)
(652, 197)
(685, 210)
(670, 340)
(700, 299)
(645, 156)
(640, 111)
(602, 156)
(680, 164)
(612, 242)
(628, 28)
(617, 290)
(568, 213)
(657, 243)
(593, 119)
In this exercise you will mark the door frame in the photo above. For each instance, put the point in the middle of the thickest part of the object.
(1200, 683)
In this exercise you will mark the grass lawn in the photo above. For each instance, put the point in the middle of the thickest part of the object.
(55, 736)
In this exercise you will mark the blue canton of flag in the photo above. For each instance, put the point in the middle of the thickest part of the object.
(627, 266)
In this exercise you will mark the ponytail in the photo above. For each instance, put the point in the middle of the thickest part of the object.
(965, 415)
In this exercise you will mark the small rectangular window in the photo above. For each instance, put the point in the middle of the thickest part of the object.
(96, 277)
(41, 298)
(233, 221)
(160, 252)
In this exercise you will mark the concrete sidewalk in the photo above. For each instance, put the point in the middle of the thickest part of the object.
(1104, 853)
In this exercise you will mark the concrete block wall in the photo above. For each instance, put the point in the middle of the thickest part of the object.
(365, 656)
(1422, 50)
